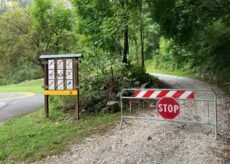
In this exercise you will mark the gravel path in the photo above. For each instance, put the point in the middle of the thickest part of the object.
(156, 142)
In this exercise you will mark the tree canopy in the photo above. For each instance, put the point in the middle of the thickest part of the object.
(172, 34)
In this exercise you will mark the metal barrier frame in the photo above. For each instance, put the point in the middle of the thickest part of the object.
(215, 125)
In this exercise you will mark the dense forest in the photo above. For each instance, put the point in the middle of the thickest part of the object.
(118, 39)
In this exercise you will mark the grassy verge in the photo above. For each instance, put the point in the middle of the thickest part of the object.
(150, 68)
(176, 73)
(32, 137)
(26, 86)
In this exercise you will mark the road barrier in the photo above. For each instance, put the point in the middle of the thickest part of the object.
(190, 106)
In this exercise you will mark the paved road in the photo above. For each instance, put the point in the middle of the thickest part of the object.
(15, 104)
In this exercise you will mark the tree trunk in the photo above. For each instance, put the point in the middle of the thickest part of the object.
(126, 31)
(142, 50)
(142, 39)
(137, 49)
(126, 44)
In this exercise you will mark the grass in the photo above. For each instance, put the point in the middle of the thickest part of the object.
(175, 73)
(26, 86)
(32, 137)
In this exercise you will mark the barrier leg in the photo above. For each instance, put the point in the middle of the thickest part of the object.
(215, 106)
(121, 113)
(121, 124)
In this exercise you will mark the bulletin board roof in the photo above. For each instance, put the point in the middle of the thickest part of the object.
(60, 56)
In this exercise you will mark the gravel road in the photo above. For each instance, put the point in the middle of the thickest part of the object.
(152, 142)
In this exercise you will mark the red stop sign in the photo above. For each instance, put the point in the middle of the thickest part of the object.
(168, 108)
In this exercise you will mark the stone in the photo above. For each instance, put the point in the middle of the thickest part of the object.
(136, 83)
(113, 106)
(144, 85)
(105, 110)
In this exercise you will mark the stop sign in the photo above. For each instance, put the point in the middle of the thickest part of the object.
(168, 108)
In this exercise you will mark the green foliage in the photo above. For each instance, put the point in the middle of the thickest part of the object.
(52, 24)
(27, 33)
(23, 73)
(213, 50)
(102, 25)
(16, 46)
(137, 77)
(198, 34)
(102, 86)
(26, 86)
(97, 90)
(181, 19)
(171, 57)
(116, 27)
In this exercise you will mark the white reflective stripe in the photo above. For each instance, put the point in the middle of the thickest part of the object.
(185, 94)
(141, 94)
(155, 94)
(170, 93)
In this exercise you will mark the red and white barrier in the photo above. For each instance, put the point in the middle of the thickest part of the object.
(177, 94)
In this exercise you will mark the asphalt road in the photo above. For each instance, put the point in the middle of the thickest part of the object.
(15, 104)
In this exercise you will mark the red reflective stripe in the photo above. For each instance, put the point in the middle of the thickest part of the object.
(136, 92)
(191, 96)
(162, 93)
(178, 93)
(148, 93)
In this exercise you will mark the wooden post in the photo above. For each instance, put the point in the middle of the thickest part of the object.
(78, 90)
(45, 87)
(76, 79)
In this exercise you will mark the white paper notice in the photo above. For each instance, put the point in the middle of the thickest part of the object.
(60, 74)
(69, 63)
(69, 84)
(51, 74)
(51, 85)
(60, 85)
(51, 64)
(69, 74)
(59, 64)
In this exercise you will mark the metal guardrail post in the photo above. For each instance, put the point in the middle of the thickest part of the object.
(216, 122)
(121, 105)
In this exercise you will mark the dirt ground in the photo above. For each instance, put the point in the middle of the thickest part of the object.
(153, 142)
